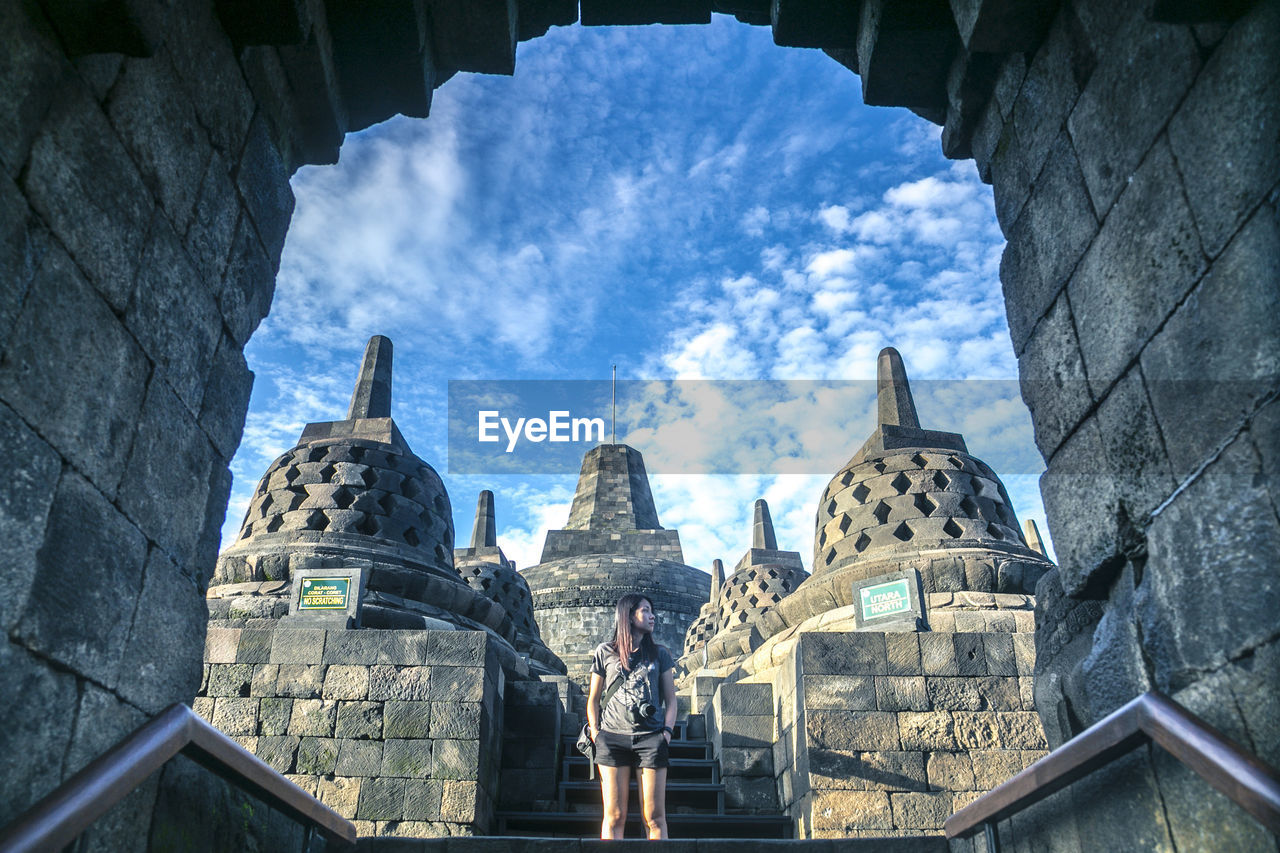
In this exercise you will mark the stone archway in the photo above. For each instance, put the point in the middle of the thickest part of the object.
(147, 151)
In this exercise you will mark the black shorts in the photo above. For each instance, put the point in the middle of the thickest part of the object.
(643, 750)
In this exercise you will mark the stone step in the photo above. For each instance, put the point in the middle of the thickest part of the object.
(567, 843)
(679, 826)
(584, 796)
(577, 768)
(677, 749)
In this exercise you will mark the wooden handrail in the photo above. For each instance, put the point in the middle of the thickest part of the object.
(56, 820)
(1153, 717)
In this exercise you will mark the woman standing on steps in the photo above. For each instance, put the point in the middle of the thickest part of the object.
(631, 709)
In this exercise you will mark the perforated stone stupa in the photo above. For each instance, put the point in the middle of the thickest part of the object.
(611, 544)
(352, 493)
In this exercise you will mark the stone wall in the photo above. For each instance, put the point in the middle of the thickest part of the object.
(143, 207)
(398, 731)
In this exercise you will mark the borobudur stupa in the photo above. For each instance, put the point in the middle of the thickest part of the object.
(612, 544)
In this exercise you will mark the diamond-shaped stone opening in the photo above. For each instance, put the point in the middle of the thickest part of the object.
(903, 532)
(969, 508)
(845, 521)
(485, 583)
(367, 526)
(861, 492)
(924, 505)
(881, 512)
(317, 521)
(822, 538)
(290, 474)
(772, 573)
(409, 487)
(265, 505)
(879, 466)
(343, 497)
(941, 480)
(753, 600)
(411, 536)
(861, 545)
(316, 454)
(954, 462)
(995, 531)
(901, 483)
(952, 529)
(786, 585)
(326, 473)
(847, 478)
(831, 508)
(370, 477)
(296, 496)
(831, 555)
(248, 530)
(357, 453)
(442, 555)
(273, 523)
(387, 502)
(262, 486)
(441, 507)
(742, 589)
(919, 461)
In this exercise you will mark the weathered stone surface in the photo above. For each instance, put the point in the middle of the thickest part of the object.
(455, 759)
(313, 717)
(1044, 100)
(859, 770)
(84, 530)
(1207, 594)
(1144, 260)
(950, 771)
(1228, 166)
(263, 182)
(340, 793)
(23, 243)
(301, 681)
(401, 683)
(406, 758)
(742, 761)
(161, 661)
(346, 682)
(359, 758)
(920, 811)
(840, 692)
(843, 654)
(279, 752)
(1134, 447)
(938, 654)
(72, 368)
(274, 714)
(31, 688)
(843, 811)
(236, 716)
(360, 720)
(381, 799)
(422, 799)
(927, 731)
(317, 756)
(406, 719)
(875, 731)
(901, 693)
(24, 508)
(454, 684)
(82, 181)
(1080, 494)
(902, 651)
(298, 646)
(1053, 381)
(1218, 355)
(455, 720)
(28, 82)
(746, 731)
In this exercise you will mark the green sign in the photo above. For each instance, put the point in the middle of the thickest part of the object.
(885, 599)
(324, 594)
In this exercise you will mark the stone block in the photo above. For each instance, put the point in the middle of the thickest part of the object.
(938, 654)
(746, 732)
(950, 771)
(901, 693)
(406, 719)
(363, 648)
(313, 717)
(455, 759)
(230, 679)
(1208, 592)
(381, 799)
(998, 648)
(317, 756)
(1020, 730)
(977, 729)
(30, 77)
(1228, 166)
(339, 793)
(410, 758)
(300, 681)
(359, 720)
(247, 285)
(867, 771)
(278, 753)
(165, 485)
(902, 651)
(81, 180)
(1217, 357)
(84, 530)
(875, 731)
(459, 801)
(846, 811)
(1134, 447)
(455, 648)
(455, 720)
(359, 758)
(745, 761)
(454, 684)
(24, 507)
(422, 799)
(843, 654)
(920, 811)
(70, 366)
(745, 700)
(970, 654)
(265, 676)
(297, 645)
(1145, 258)
(1044, 100)
(263, 181)
(751, 793)
(927, 731)
(1079, 492)
(273, 716)
(837, 692)
(346, 682)
(208, 238)
(254, 646)
(992, 767)
(30, 688)
(408, 683)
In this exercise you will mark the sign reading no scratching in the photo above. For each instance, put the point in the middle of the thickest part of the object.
(326, 594)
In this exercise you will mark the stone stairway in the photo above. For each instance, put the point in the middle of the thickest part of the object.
(695, 799)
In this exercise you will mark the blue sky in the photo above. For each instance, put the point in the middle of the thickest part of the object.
(684, 202)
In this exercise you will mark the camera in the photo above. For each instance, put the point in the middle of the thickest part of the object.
(642, 712)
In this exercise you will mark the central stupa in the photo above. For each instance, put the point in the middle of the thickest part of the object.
(612, 544)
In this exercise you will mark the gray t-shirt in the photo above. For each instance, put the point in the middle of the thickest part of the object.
(643, 683)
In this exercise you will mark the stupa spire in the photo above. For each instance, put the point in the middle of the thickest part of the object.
(1032, 532)
(484, 533)
(893, 393)
(762, 535)
(717, 580)
(372, 395)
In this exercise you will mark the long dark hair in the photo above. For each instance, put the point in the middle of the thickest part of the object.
(624, 639)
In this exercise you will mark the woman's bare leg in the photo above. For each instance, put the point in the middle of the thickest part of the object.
(653, 801)
(614, 782)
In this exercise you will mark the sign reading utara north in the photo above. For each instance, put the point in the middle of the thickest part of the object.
(885, 599)
(324, 594)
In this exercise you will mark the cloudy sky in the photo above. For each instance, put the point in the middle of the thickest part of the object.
(688, 203)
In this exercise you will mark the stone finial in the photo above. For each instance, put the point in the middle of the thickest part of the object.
(613, 492)
(717, 580)
(1034, 542)
(484, 534)
(893, 394)
(372, 396)
(762, 535)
